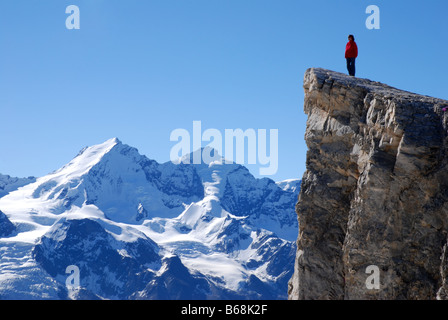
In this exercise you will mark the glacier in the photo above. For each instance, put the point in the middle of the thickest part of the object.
(138, 229)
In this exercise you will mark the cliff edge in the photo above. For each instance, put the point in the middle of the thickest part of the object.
(373, 205)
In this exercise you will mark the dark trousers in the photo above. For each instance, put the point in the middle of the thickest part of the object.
(351, 66)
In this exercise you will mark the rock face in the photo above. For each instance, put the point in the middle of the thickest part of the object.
(6, 226)
(375, 193)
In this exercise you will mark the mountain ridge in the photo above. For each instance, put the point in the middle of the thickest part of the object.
(202, 215)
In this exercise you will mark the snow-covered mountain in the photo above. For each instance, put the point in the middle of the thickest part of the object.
(292, 185)
(8, 183)
(137, 229)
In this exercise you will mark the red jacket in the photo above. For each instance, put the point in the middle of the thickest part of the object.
(351, 50)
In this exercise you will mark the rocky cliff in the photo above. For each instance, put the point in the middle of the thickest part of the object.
(373, 205)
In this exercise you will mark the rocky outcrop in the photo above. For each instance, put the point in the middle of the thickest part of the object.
(375, 193)
(6, 227)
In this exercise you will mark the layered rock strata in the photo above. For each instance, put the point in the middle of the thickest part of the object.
(373, 205)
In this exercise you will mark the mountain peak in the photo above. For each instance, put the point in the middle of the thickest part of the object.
(88, 157)
(110, 203)
(203, 156)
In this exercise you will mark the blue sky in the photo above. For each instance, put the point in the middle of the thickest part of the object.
(138, 70)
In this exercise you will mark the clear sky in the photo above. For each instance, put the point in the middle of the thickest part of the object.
(139, 69)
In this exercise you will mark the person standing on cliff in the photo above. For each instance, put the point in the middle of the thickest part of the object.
(351, 53)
